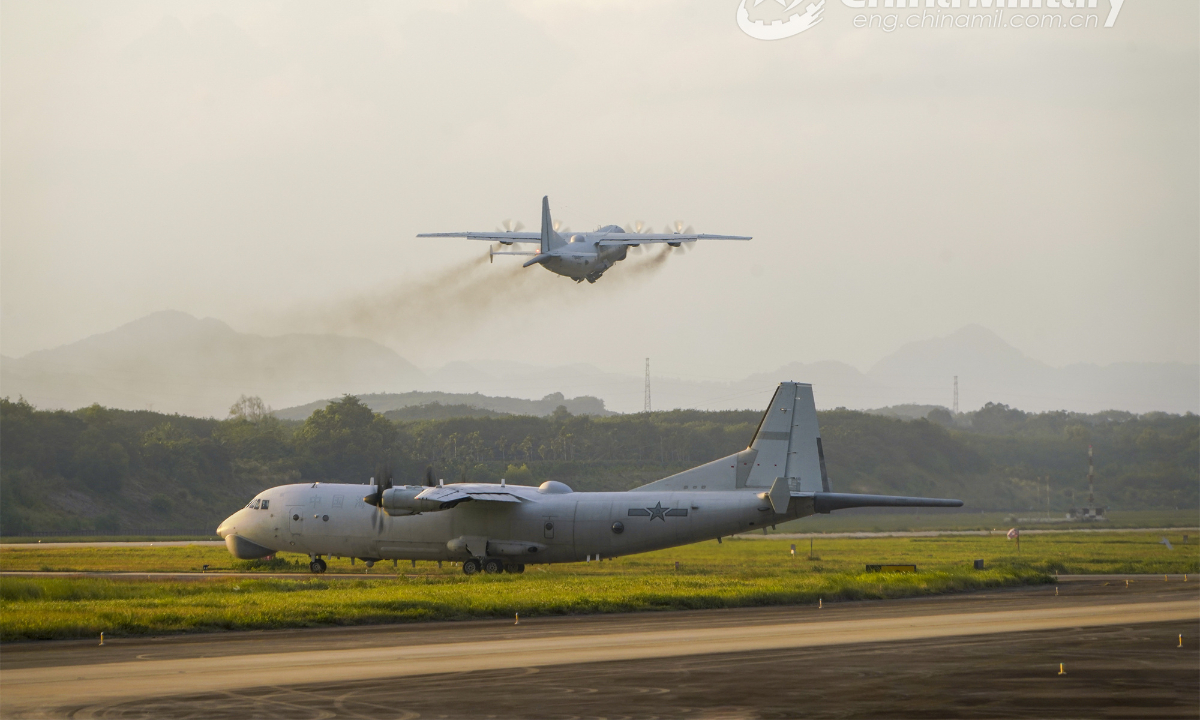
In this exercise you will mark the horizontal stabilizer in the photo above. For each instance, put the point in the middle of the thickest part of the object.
(827, 502)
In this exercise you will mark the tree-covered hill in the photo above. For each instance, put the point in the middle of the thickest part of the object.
(106, 470)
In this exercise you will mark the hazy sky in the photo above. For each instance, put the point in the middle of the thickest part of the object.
(268, 164)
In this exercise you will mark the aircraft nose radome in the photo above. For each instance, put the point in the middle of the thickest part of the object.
(225, 527)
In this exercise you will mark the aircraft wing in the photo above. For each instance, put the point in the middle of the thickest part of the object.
(498, 236)
(450, 494)
(638, 239)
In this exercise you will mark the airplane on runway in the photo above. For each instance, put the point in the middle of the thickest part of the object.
(584, 255)
(498, 528)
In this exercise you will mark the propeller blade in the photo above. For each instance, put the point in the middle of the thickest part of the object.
(430, 481)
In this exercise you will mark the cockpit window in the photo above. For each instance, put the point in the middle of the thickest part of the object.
(265, 504)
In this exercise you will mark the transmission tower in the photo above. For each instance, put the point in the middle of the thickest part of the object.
(1091, 481)
(955, 394)
(647, 384)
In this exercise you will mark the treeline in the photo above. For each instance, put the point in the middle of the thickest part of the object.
(106, 469)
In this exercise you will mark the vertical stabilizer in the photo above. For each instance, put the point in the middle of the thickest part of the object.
(788, 442)
(550, 238)
(786, 447)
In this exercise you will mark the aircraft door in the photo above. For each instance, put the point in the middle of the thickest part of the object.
(295, 510)
(317, 514)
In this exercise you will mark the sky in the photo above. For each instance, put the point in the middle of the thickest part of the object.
(269, 164)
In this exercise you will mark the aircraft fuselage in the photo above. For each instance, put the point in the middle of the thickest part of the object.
(583, 258)
(329, 519)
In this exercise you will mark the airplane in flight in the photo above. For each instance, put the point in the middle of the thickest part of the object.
(582, 255)
(497, 527)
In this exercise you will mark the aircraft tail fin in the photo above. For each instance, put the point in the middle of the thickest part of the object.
(550, 238)
(786, 459)
(787, 443)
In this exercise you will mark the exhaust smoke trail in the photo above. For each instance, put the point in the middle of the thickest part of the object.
(463, 296)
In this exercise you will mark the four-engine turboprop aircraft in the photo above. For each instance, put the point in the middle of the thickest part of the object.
(584, 255)
(501, 528)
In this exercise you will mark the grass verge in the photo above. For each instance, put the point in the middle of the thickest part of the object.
(46, 608)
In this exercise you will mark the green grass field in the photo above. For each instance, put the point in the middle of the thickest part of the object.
(736, 573)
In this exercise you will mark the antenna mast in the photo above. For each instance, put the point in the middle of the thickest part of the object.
(647, 384)
(955, 394)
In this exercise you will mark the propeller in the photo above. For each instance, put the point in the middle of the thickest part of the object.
(513, 225)
(560, 228)
(430, 480)
(637, 228)
(381, 482)
(679, 228)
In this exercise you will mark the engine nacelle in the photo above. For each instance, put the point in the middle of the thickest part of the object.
(403, 500)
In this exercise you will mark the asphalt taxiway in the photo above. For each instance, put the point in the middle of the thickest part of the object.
(992, 651)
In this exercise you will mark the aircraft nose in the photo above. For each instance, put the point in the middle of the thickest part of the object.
(226, 526)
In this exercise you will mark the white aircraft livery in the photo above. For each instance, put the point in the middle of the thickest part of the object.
(498, 528)
(585, 255)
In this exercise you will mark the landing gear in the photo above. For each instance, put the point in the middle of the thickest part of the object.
(318, 566)
(515, 568)
(471, 567)
(492, 566)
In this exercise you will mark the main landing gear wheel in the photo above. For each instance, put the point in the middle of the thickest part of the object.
(492, 566)
(515, 569)
(317, 566)
(471, 567)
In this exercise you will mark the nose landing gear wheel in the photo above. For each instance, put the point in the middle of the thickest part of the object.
(471, 567)
(317, 566)
(492, 566)
(322, 565)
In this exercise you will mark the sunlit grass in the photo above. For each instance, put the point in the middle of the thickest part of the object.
(736, 573)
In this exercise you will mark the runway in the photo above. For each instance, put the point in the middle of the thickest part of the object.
(229, 674)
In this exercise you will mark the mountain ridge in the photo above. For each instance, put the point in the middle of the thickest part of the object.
(175, 362)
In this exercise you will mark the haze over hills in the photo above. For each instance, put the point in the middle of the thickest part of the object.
(174, 362)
